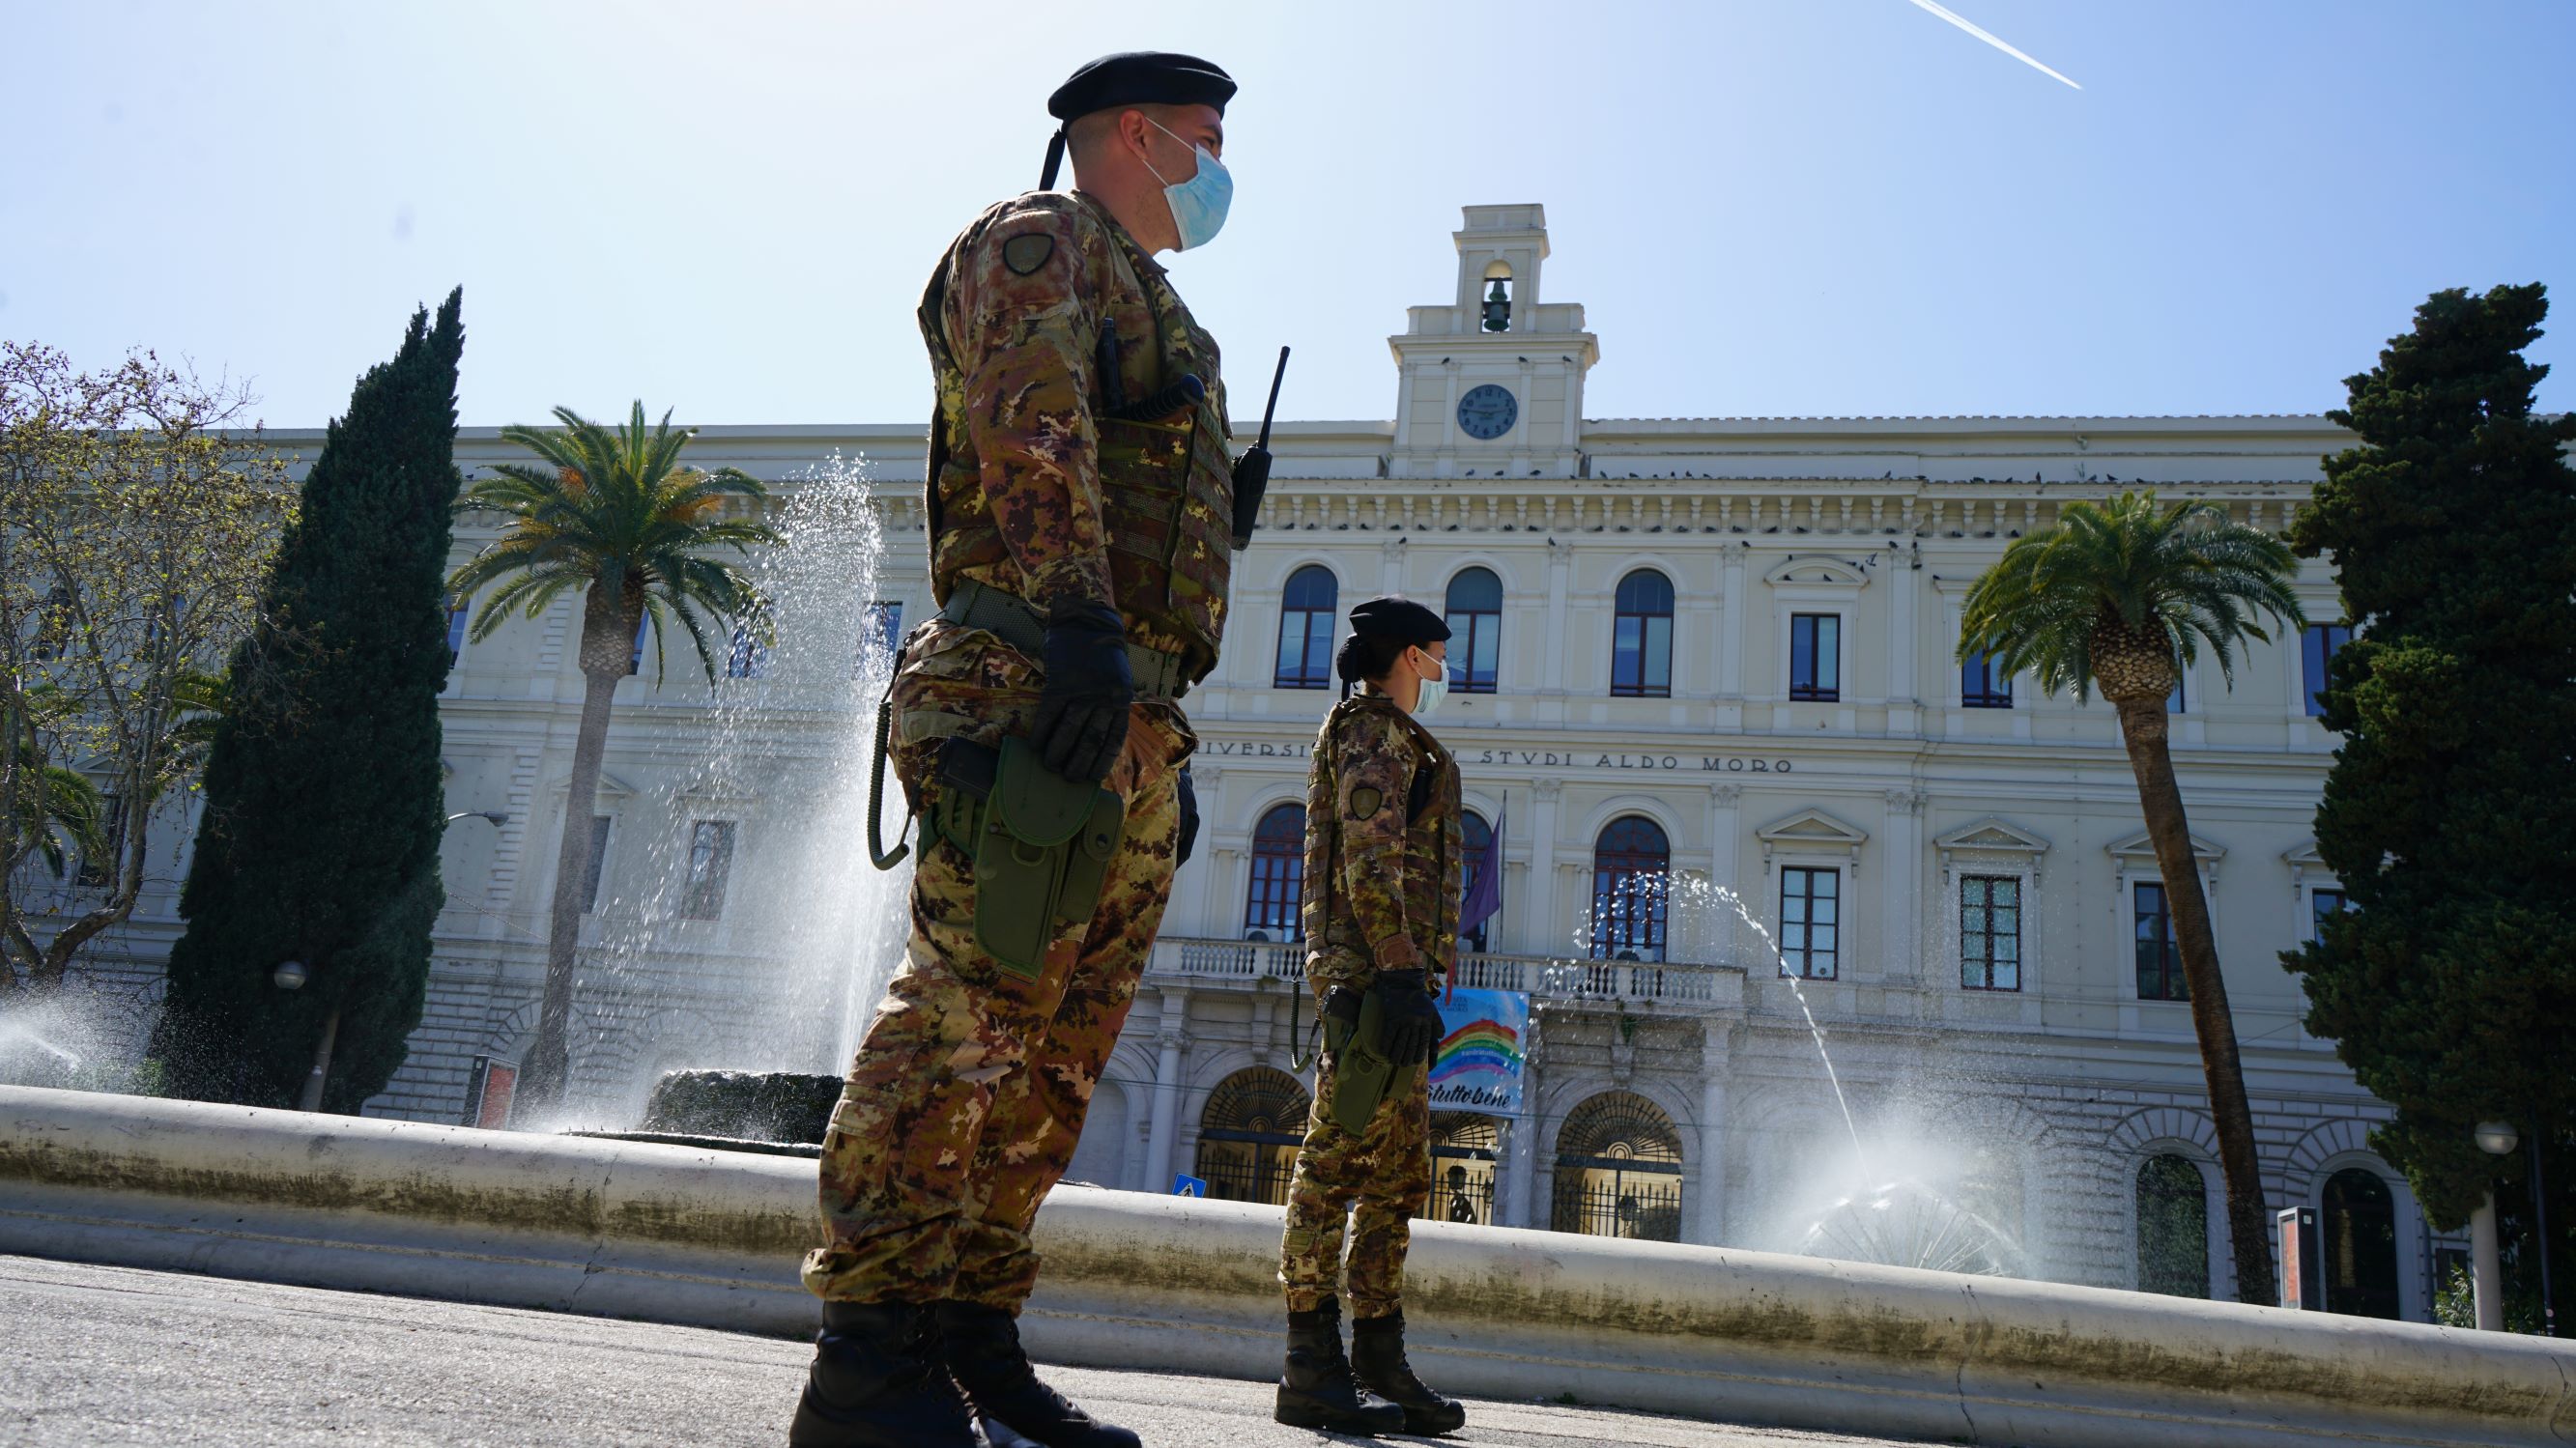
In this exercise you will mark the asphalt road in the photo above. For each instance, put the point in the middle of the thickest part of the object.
(111, 1355)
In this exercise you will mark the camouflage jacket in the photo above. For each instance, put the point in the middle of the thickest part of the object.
(1384, 854)
(1034, 487)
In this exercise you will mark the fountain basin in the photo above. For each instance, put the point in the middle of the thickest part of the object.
(665, 1233)
(739, 1109)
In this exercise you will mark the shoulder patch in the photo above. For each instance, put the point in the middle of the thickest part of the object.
(1365, 800)
(1025, 253)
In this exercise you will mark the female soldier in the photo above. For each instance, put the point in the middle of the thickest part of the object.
(1381, 918)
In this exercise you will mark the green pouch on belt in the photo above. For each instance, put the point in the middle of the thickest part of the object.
(1041, 848)
(1361, 1070)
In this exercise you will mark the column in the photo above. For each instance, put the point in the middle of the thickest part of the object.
(1519, 1177)
(1904, 715)
(1735, 635)
(1560, 563)
(1901, 869)
(1722, 832)
(1711, 1225)
(1172, 1040)
(1537, 906)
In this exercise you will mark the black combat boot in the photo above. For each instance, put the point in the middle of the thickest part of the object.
(1319, 1390)
(877, 1382)
(1377, 1357)
(982, 1348)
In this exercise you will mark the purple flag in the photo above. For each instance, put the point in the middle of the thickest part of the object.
(1487, 896)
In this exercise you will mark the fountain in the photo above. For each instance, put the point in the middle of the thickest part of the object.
(1908, 1195)
(812, 939)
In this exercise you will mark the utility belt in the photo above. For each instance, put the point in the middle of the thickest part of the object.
(1038, 844)
(1017, 622)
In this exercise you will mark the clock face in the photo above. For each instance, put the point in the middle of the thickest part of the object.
(1488, 411)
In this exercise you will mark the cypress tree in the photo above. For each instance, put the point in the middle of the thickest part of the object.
(324, 801)
(2450, 813)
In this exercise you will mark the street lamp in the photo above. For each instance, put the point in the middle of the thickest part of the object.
(2499, 1138)
(289, 975)
(497, 817)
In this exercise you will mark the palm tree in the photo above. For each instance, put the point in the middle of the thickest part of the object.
(615, 516)
(2116, 596)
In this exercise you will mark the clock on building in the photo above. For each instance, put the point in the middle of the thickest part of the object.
(1488, 411)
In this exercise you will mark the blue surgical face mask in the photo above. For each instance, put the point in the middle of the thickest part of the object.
(1198, 204)
(1434, 688)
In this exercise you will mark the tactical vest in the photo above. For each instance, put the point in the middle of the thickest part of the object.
(1428, 877)
(1166, 484)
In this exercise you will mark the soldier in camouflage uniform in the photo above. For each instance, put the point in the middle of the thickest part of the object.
(1383, 855)
(1082, 513)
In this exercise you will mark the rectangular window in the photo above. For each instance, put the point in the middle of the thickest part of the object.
(748, 658)
(1982, 685)
(2322, 903)
(456, 618)
(487, 1093)
(635, 656)
(710, 866)
(99, 871)
(598, 860)
(2175, 701)
(1305, 649)
(1641, 656)
(1810, 922)
(1990, 932)
(2316, 646)
(1816, 657)
(2159, 959)
(881, 635)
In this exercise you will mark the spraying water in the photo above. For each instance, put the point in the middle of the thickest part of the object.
(811, 935)
(1735, 902)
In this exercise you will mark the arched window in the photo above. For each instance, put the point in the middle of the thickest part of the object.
(2361, 1244)
(1619, 1170)
(1464, 1151)
(1475, 618)
(1278, 874)
(1306, 629)
(1631, 870)
(1641, 639)
(1249, 1134)
(2173, 1228)
(1479, 838)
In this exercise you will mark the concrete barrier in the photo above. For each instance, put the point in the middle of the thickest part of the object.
(641, 1230)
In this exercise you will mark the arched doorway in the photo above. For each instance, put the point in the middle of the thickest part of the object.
(1464, 1150)
(2173, 1227)
(1249, 1134)
(1619, 1170)
(2360, 1244)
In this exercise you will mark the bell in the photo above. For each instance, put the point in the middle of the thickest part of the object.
(1498, 309)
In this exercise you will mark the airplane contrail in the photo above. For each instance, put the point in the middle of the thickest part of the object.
(1989, 39)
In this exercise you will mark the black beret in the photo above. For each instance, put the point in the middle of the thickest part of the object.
(1141, 78)
(1398, 618)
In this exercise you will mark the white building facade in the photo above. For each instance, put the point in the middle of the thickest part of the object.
(1687, 654)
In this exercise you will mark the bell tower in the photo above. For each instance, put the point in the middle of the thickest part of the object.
(1491, 385)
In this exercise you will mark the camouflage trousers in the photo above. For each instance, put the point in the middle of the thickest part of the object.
(961, 1109)
(1374, 1183)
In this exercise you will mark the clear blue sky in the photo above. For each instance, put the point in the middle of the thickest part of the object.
(1769, 207)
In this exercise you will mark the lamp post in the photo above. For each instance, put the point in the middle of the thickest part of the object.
(292, 974)
(2486, 1272)
(2498, 1138)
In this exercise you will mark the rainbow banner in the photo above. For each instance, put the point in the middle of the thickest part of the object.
(1478, 1065)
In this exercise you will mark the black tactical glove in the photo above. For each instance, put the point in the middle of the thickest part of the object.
(1082, 707)
(1408, 1021)
(1189, 820)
